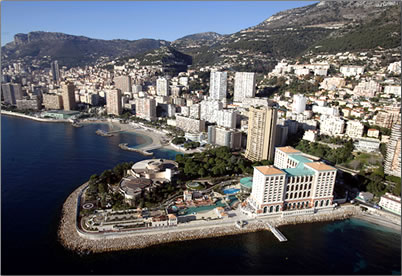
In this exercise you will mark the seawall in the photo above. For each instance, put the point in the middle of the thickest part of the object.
(79, 241)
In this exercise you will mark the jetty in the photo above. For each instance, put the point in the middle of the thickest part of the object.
(103, 133)
(277, 233)
(125, 146)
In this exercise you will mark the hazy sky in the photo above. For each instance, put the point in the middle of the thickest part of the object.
(168, 20)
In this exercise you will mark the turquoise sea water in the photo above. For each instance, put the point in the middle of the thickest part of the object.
(42, 163)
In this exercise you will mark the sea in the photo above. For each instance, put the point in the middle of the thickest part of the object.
(42, 163)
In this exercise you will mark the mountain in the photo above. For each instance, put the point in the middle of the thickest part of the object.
(71, 50)
(291, 33)
(326, 27)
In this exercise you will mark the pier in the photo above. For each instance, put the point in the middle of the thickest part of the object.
(125, 146)
(277, 233)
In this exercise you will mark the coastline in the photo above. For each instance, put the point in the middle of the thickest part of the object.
(16, 114)
(71, 239)
(154, 134)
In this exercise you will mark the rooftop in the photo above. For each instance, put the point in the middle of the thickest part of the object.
(320, 166)
(267, 170)
(288, 149)
(247, 182)
(300, 158)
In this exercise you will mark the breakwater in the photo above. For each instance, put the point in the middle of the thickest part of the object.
(76, 240)
(125, 146)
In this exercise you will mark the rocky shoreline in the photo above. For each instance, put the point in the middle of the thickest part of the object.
(70, 238)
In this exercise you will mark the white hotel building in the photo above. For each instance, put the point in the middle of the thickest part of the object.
(391, 203)
(294, 182)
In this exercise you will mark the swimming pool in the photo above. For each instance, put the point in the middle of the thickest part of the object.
(230, 191)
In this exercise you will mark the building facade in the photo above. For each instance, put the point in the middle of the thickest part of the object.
(218, 85)
(113, 102)
(354, 129)
(162, 87)
(69, 96)
(261, 133)
(226, 118)
(52, 101)
(392, 164)
(244, 86)
(123, 83)
(391, 203)
(224, 137)
(190, 124)
(293, 182)
(145, 108)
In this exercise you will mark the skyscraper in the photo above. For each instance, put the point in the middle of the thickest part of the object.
(392, 164)
(145, 108)
(261, 133)
(8, 93)
(123, 83)
(12, 92)
(113, 102)
(162, 88)
(218, 85)
(68, 96)
(244, 86)
(54, 66)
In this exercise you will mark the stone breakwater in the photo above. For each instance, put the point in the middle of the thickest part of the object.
(70, 238)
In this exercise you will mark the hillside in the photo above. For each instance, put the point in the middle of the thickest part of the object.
(72, 50)
(330, 26)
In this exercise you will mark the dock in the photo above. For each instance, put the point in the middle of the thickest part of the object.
(277, 233)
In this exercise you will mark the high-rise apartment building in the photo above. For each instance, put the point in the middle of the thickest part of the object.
(145, 108)
(114, 102)
(8, 93)
(54, 68)
(392, 164)
(218, 85)
(226, 118)
(261, 133)
(244, 86)
(52, 101)
(294, 182)
(224, 137)
(162, 87)
(209, 110)
(68, 96)
(123, 83)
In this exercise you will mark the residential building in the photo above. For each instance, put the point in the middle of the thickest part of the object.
(113, 102)
(393, 89)
(332, 83)
(391, 203)
(8, 93)
(209, 110)
(226, 118)
(367, 145)
(387, 118)
(218, 85)
(351, 70)
(354, 129)
(52, 101)
(310, 135)
(195, 111)
(244, 86)
(162, 87)
(123, 83)
(190, 124)
(224, 137)
(330, 125)
(54, 68)
(392, 164)
(299, 104)
(261, 133)
(29, 104)
(367, 89)
(372, 132)
(145, 108)
(293, 182)
(68, 94)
